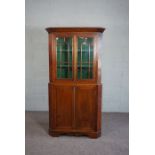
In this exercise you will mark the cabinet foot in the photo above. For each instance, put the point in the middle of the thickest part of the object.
(53, 134)
(94, 135)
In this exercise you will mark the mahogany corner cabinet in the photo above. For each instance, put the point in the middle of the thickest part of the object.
(75, 89)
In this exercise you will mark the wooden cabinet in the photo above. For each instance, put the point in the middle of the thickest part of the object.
(74, 81)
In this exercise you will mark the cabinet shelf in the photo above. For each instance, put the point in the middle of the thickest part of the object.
(64, 51)
(84, 62)
(84, 66)
(59, 66)
(79, 51)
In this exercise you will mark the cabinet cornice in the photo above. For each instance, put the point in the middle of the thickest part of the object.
(75, 29)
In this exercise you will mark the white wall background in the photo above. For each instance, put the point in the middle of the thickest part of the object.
(111, 14)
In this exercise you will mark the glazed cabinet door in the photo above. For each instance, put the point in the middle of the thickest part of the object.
(61, 108)
(62, 57)
(86, 58)
(86, 107)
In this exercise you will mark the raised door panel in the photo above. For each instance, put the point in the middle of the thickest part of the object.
(86, 107)
(62, 107)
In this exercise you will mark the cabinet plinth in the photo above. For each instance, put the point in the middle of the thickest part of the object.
(74, 82)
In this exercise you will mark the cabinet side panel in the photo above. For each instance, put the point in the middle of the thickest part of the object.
(86, 107)
(51, 93)
(99, 108)
(49, 104)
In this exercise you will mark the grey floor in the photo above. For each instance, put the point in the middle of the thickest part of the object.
(114, 139)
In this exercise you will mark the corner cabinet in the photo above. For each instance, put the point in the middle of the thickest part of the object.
(74, 81)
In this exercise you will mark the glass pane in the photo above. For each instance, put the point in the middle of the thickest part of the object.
(85, 58)
(64, 57)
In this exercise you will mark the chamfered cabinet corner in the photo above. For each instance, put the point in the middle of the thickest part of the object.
(75, 89)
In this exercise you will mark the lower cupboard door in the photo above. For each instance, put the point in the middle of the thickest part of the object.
(62, 107)
(86, 107)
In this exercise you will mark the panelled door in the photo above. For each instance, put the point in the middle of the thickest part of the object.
(62, 107)
(86, 104)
